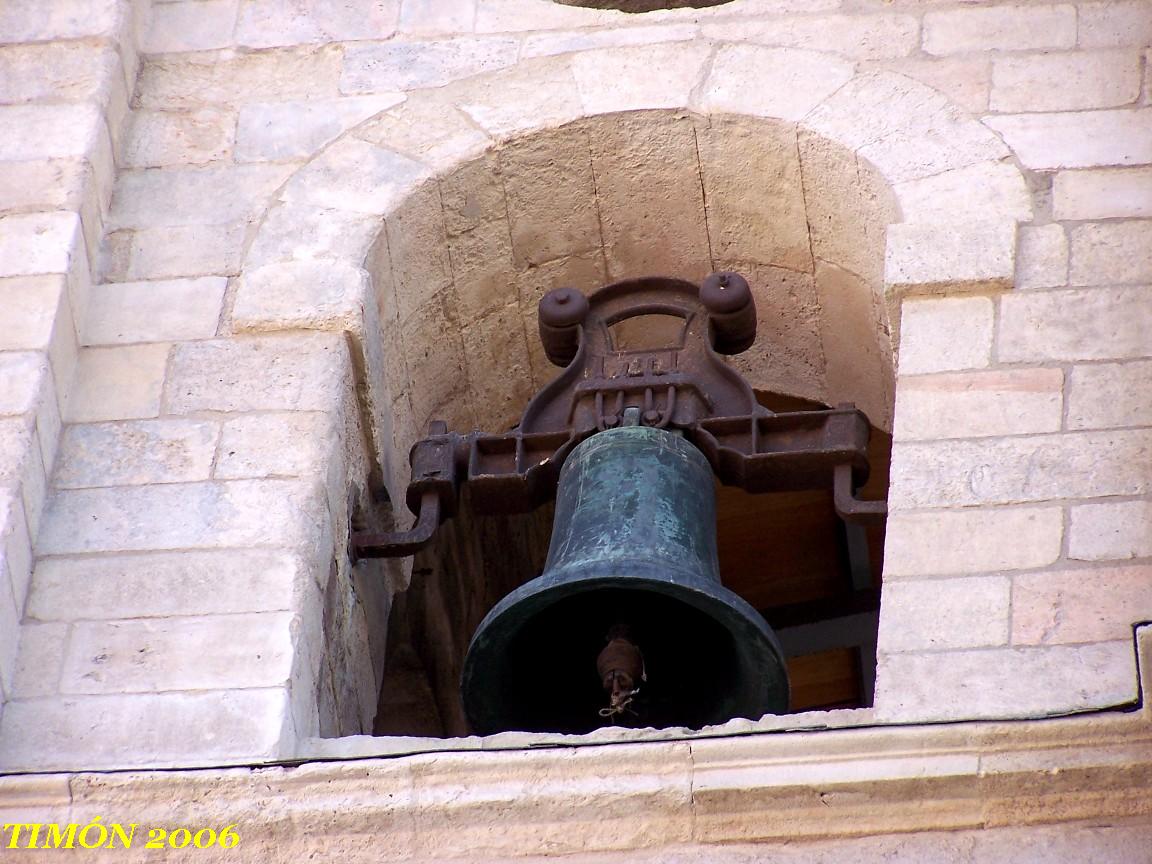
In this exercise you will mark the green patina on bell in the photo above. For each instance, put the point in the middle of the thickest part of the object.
(628, 624)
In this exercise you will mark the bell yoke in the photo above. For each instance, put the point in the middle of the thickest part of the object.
(629, 623)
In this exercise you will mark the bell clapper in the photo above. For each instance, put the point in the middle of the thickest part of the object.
(621, 668)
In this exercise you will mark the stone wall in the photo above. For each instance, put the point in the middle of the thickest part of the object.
(247, 370)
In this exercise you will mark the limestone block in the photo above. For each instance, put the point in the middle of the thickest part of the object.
(848, 206)
(159, 138)
(1077, 139)
(313, 295)
(648, 169)
(301, 232)
(552, 205)
(974, 192)
(277, 131)
(535, 94)
(9, 642)
(1041, 256)
(1110, 394)
(136, 452)
(971, 541)
(857, 36)
(23, 375)
(145, 730)
(1087, 79)
(293, 372)
(505, 16)
(621, 79)
(173, 250)
(35, 243)
(192, 81)
(434, 355)
(156, 311)
(976, 404)
(855, 342)
(1010, 28)
(280, 444)
(935, 614)
(181, 516)
(964, 80)
(1102, 194)
(356, 176)
(564, 42)
(771, 82)
(16, 566)
(269, 23)
(39, 318)
(1110, 531)
(193, 196)
(1005, 682)
(30, 798)
(1108, 253)
(59, 71)
(120, 383)
(1116, 22)
(428, 129)
(749, 169)
(905, 129)
(32, 21)
(206, 653)
(1082, 605)
(934, 257)
(387, 66)
(437, 16)
(417, 244)
(39, 661)
(43, 184)
(499, 371)
(1022, 469)
(49, 131)
(190, 26)
(483, 271)
(1088, 324)
(163, 584)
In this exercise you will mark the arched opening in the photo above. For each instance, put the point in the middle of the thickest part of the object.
(459, 269)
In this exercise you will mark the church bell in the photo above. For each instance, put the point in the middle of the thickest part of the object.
(628, 624)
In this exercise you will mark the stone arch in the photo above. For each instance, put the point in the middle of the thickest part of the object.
(908, 193)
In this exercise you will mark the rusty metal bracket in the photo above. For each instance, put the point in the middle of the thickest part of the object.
(684, 386)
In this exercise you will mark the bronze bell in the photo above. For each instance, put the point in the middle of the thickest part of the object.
(628, 624)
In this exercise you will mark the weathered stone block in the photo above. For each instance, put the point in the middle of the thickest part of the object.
(49, 131)
(1082, 605)
(23, 375)
(355, 176)
(299, 232)
(1005, 682)
(965, 80)
(193, 196)
(1111, 530)
(1091, 324)
(136, 452)
(935, 256)
(935, 614)
(1102, 194)
(32, 21)
(534, 94)
(190, 26)
(205, 653)
(289, 444)
(119, 383)
(1022, 469)
(39, 661)
(619, 79)
(379, 67)
(1110, 253)
(162, 584)
(159, 138)
(565, 42)
(943, 334)
(1077, 139)
(314, 295)
(16, 564)
(864, 37)
(1010, 28)
(182, 516)
(499, 371)
(158, 311)
(437, 16)
(1107, 395)
(145, 730)
(971, 541)
(294, 372)
(771, 82)
(61, 71)
(1115, 22)
(1087, 79)
(974, 404)
(43, 184)
(277, 131)
(972, 193)
(427, 129)
(417, 245)
(36, 243)
(171, 251)
(1041, 256)
(269, 23)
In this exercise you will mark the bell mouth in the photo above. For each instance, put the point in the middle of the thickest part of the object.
(708, 657)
